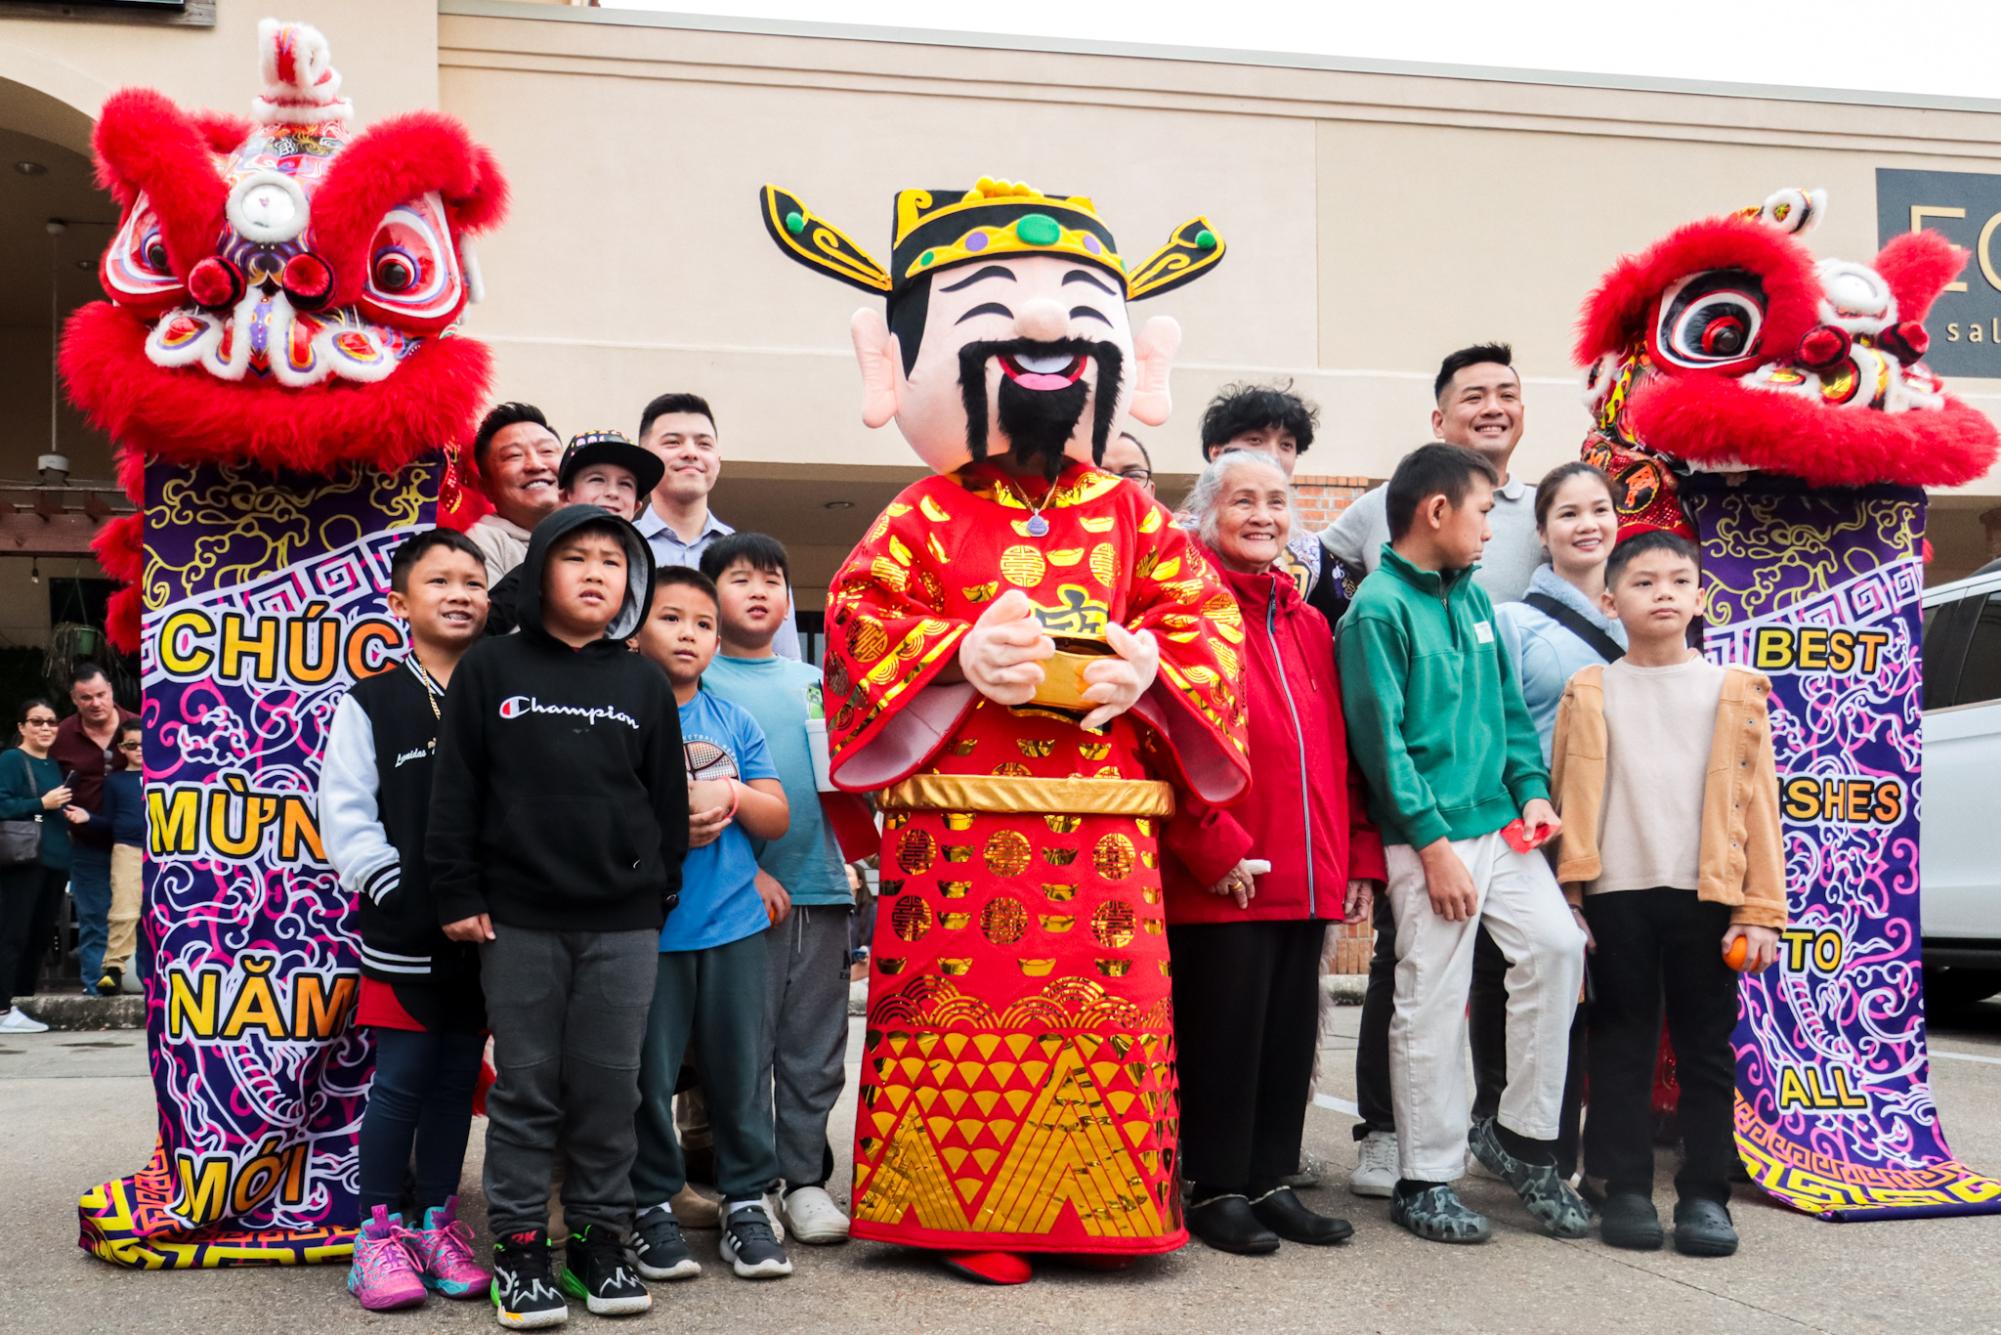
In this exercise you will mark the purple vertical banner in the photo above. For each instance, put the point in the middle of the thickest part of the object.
(1819, 590)
(264, 601)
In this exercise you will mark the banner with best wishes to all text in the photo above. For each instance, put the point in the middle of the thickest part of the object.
(263, 602)
(1819, 590)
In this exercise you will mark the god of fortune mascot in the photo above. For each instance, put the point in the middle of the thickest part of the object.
(1025, 660)
(1776, 409)
(277, 365)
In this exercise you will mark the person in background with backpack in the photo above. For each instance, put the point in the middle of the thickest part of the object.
(1557, 628)
(32, 791)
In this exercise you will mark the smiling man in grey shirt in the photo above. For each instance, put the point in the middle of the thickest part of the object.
(1479, 405)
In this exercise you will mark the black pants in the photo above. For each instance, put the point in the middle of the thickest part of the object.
(1486, 1031)
(421, 1101)
(1246, 1021)
(31, 896)
(568, 1011)
(1652, 942)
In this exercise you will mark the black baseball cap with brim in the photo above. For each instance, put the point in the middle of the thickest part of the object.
(610, 447)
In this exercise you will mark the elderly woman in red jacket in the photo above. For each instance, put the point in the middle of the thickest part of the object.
(1251, 889)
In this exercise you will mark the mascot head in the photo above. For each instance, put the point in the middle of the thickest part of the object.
(283, 292)
(1007, 330)
(1727, 347)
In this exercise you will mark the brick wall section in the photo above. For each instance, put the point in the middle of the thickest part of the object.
(1319, 500)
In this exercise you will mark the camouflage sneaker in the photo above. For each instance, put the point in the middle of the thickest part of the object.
(1436, 1214)
(1561, 1211)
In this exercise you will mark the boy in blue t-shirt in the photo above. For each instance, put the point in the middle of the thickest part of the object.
(802, 879)
(711, 982)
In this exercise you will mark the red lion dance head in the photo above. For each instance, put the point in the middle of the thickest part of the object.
(282, 294)
(1727, 347)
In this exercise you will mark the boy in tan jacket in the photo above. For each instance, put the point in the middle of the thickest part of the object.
(1670, 854)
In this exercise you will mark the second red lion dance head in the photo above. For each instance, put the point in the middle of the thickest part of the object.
(1727, 347)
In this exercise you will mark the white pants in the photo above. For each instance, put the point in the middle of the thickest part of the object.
(1524, 910)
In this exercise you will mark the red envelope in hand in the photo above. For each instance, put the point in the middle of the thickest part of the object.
(1521, 838)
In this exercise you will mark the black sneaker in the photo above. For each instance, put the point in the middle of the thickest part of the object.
(523, 1291)
(108, 984)
(595, 1269)
(751, 1247)
(658, 1248)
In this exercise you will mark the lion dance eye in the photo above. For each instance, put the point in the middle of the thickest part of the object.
(395, 270)
(1711, 319)
(153, 252)
(413, 279)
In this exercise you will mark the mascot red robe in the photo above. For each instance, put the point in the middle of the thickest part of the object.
(1025, 660)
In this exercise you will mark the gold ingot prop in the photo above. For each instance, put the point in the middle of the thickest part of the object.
(1063, 674)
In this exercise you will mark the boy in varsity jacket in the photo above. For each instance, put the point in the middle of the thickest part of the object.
(420, 992)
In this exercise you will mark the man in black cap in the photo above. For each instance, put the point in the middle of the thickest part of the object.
(600, 468)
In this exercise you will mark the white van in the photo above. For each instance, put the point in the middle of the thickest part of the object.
(1960, 906)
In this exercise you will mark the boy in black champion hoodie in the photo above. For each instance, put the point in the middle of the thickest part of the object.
(559, 815)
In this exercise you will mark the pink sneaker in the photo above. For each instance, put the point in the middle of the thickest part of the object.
(443, 1250)
(385, 1275)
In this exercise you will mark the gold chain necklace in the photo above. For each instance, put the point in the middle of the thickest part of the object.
(431, 688)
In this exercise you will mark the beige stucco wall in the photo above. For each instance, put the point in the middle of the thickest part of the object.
(386, 51)
(1375, 220)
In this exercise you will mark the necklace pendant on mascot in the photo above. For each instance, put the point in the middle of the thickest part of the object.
(1038, 527)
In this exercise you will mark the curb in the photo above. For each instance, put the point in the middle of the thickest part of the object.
(61, 1011)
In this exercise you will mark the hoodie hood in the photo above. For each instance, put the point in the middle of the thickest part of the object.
(638, 570)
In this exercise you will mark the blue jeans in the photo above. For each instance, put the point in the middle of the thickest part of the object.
(90, 888)
(421, 1100)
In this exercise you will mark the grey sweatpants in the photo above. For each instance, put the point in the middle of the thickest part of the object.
(806, 1034)
(716, 997)
(568, 1013)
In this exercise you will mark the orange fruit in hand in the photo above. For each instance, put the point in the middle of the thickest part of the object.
(1738, 954)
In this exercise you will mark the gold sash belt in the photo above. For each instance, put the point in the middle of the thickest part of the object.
(1029, 796)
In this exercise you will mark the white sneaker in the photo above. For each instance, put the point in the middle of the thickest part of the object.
(18, 1021)
(1375, 1165)
(814, 1218)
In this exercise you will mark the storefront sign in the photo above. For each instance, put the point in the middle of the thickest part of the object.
(1966, 207)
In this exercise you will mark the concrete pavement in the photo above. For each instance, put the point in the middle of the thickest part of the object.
(76, 1108)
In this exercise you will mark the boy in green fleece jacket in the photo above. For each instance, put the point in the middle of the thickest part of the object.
(1457, 786)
